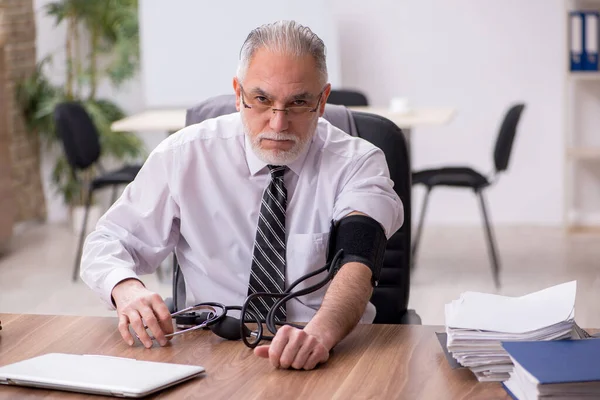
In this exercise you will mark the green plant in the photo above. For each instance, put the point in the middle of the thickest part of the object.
(102, 43)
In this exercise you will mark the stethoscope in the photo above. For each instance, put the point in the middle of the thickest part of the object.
(232, 328)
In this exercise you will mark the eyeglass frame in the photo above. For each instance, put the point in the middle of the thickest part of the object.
(287, 109)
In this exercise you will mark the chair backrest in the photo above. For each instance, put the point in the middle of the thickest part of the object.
(390, 297)
(506, 137)
(79, 136)
(349, 98)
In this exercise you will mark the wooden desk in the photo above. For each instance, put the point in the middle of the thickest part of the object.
(165, 120)
(374, 361)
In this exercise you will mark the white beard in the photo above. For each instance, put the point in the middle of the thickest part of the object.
(278, 157)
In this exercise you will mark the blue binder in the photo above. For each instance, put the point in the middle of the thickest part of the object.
(576, 45)
(558, 361)
(590, 40)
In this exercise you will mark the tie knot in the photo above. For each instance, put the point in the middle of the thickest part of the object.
(277, 171)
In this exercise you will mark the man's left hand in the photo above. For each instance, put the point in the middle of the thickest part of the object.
(296, 348)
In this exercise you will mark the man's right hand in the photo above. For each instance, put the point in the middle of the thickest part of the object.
(137, 305)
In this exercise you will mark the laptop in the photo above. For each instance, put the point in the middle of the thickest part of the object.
(96, 374)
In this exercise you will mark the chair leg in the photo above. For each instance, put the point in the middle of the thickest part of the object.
(113, 197)
(88, 203)
(492, 247)
(419, 231)
(178, 286)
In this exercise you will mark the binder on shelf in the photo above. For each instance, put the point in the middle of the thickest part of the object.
(590, 40)
(576, 48)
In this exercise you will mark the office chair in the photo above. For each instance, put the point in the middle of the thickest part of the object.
(390, 297)
(81, 144)
(466, 177)
(348, 98)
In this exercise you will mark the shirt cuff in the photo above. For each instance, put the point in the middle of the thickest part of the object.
(112, 279)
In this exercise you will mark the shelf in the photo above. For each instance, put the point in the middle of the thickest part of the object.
(584, 76)
(584, 153)
(581, 210)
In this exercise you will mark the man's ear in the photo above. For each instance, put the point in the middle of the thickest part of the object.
(236, 88)
(324, 98)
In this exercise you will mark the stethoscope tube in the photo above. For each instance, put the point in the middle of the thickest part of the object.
(284, 297)
(217, 320)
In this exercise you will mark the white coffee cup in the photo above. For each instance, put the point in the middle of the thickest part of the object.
(399, 105)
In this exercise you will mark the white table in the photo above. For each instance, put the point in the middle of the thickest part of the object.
(411, 119)
(161, 120)
(414, 118)
(171, 120)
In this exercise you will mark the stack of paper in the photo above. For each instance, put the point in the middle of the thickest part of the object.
(478, 323)
(557, 369)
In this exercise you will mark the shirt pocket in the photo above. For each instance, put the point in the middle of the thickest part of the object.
(306, 253)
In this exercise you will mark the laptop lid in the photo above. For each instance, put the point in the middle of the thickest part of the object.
(96, 374)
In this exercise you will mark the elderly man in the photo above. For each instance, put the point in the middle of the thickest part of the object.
(247, 202)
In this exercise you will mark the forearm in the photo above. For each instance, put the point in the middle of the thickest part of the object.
(343, 305)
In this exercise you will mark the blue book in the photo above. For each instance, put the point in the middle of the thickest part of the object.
(554, 368)
(512, 396)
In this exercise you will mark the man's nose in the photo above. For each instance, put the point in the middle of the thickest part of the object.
(279, 121)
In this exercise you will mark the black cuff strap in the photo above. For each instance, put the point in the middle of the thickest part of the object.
(362, 240)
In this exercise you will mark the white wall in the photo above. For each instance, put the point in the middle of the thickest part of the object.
(190, 48)
(477, 56)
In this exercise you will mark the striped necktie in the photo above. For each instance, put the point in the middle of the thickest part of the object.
(268, 261)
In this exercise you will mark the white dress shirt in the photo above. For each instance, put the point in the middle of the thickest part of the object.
(199, 194)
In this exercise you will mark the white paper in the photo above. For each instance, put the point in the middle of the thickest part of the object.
(489, 312)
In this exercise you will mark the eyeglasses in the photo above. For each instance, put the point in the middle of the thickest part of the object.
(262, 105)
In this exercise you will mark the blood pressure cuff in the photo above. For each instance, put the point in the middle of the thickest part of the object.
(361, 239)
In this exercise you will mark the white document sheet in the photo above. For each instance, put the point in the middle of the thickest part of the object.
(503, 314)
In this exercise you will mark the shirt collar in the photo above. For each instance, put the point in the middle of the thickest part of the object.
(255, 164)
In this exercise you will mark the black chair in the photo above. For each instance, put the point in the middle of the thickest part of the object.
(466, 177)
(391, 296)
(348, 98)
(81, 144)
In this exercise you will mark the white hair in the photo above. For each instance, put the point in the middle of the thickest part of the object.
(288, 37)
